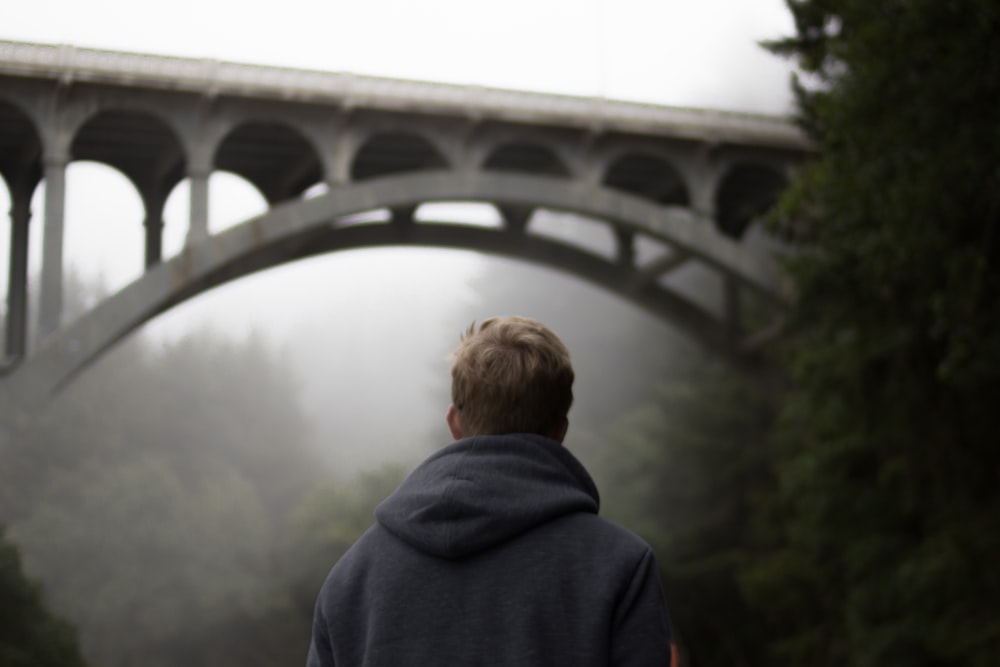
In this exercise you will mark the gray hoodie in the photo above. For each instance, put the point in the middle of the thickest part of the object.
(491, 553)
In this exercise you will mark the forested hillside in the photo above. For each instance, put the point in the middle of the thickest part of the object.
(153, 500)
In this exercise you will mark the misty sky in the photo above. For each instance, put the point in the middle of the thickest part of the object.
(672, 52)
(697, 54)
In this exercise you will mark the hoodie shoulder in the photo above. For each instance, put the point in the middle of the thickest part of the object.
(482, 491)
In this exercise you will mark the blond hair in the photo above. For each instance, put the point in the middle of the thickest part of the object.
(512, 375)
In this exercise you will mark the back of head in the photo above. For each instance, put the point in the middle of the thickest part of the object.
(512, 375)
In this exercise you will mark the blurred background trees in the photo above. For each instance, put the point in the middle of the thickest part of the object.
(153, 496)
(684, 469)
(30, 634)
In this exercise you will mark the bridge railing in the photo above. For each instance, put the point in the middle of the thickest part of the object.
(72, 63)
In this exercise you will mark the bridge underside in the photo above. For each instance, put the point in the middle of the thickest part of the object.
(309, 227)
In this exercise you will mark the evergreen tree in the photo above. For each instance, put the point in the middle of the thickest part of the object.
(30, 635)
(889, 467)
(683, 471)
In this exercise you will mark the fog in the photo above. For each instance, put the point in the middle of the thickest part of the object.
(365, 333)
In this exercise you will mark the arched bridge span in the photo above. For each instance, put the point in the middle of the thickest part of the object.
(674, 187)
(309, 227)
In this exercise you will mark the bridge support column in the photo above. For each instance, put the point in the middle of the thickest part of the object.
(340, 159)
(515, 217)
(625, 242)
(704, 183)
(153, 203)
(17, 283)
(403, 221)
(50, 308)
(198, 223)
(154, 241)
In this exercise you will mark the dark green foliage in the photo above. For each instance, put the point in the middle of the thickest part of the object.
(329, 521)
(30, 635)
(889, 502)
(684, 471)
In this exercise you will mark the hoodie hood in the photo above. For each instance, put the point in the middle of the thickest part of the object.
(481, 491)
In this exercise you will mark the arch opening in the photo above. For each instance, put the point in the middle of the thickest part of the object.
(392, 153)
(478, 214)
(648, 176)
(588, 234)
(103, 247)
(138, 144)
(278, 160)
(525, 158)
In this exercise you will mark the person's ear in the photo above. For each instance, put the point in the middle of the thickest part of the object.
(560, 432)
(454, 423)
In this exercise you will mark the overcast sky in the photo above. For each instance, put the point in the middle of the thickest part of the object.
(676, 52)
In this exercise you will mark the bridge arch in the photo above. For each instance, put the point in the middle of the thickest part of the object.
(304, 228)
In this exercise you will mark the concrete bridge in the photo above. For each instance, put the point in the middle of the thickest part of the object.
(672, 187)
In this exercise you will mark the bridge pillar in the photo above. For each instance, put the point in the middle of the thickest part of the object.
(343, 153)
(50, 308)
(625, 253)
(154, 241)
(198, 222)
(516, 217)
(704, 180)
(153, 202)
(17, 283)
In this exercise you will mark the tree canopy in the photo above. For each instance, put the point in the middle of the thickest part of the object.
(887, 504)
